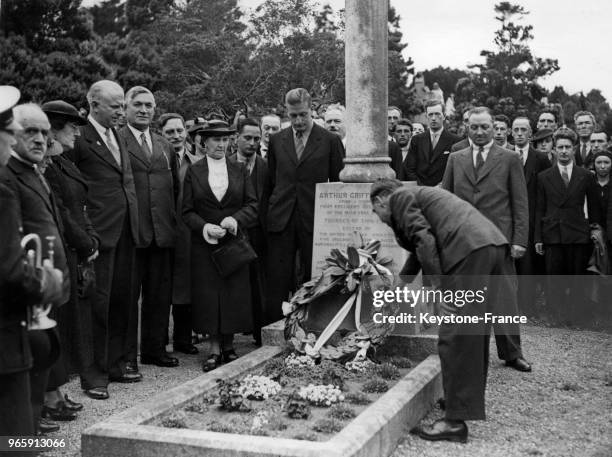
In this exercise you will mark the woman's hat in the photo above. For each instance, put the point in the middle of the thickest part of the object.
(542, 134)
(65, 110)
(214, 127)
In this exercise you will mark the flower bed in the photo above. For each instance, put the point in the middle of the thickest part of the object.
(314, 401)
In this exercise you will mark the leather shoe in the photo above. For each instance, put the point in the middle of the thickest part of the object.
(126, 378)
(212, 362)
(44, 426)
(97, 393)
(444, 430)
(58, 412)
(72, 405)
(163, 360)
(229, 356)
(519, 364)
(131, 367)
(189, 349)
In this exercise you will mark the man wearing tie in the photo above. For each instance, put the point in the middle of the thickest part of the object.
(429, 151)
(533, 162)
(153, 165)
(562, 232)
(174, 130)
(491, 178)
(585, 126)
(113, 210)
(299, 157)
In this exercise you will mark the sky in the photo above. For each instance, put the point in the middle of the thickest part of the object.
(452, 33)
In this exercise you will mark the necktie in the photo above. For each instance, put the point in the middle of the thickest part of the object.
(299, 144)
(565, 176)
(42, 179)
(434, 141)
(479, 160)
(144, 145)
(521, 156)
(111, 147)
(583, 152)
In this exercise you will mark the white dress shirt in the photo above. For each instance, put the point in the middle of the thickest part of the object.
(218, 182)
(138, 135)
(102, 132)
(485, 152)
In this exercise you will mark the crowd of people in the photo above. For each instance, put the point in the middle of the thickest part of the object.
(141, 211)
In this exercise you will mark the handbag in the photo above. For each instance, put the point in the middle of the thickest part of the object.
(234, 253)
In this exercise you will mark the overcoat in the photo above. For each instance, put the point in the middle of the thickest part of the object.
(219, 305)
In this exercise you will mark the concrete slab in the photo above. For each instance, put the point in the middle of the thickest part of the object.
(375, 432)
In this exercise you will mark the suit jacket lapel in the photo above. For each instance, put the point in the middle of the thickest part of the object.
(313, 141)
(29, 179)
(435, 152)
(467, 163)
(233, 177)
(529, 166)
(492, 159)
(289, 145)
(70, 169)
(134, 148)
(97, 145)
(159, 154)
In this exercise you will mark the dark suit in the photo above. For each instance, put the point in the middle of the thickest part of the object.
(448, 236)
(560, 224)
(531, 264)
(588, 162)
(499, 192)
(20, 287)
(257, 237)
(425, 164)
(462, 144)
(156, 190)
(290, 218)
(40, 215)
(113, 210)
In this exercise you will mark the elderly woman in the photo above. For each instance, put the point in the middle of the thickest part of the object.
(218, 201)
(81, 240)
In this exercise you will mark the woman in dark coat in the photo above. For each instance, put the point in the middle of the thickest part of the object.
(218, 197)
(74, 318)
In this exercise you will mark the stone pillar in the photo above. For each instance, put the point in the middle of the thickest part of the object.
(366, 38)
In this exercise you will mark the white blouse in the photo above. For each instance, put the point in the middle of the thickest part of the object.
(217, 176)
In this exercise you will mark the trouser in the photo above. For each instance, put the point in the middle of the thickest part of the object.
(464, 349)
(16, 417)
(181, 333)
(153, 277)
(570, 260)
(112, 307)
(45, 352)
(281, 269)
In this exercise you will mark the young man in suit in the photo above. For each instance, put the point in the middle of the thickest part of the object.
(562, 232)
(547, 120)
(533, 161)
(247, 141)
(299, 157)
(491, 178)
(501, 131)
(429, 152)
(153, 166)
(112, 206)
(459, 249)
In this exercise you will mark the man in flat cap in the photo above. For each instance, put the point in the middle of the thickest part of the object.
(21, 285)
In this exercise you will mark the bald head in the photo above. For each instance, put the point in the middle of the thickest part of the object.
(106, 100)
(32, 140)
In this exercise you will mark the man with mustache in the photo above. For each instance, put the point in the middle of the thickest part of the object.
(112, 205)
(491, 178)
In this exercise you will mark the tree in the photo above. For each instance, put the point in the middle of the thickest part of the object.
(511, 71)
(399, 68)
(109, 17)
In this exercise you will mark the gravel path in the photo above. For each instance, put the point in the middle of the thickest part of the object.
(563, 408)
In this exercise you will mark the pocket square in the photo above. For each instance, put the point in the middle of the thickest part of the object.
(446, 152)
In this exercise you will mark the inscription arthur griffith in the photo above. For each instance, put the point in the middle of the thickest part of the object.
(342, 211)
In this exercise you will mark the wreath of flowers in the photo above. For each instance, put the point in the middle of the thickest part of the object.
(345, 272)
